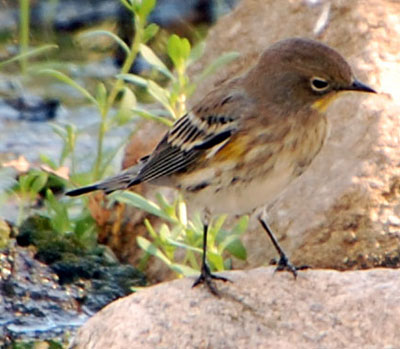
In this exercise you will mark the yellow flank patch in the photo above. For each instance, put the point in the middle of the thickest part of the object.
(322, 104)
(233, 150)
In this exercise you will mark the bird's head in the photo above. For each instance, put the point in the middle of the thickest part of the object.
(303, 72)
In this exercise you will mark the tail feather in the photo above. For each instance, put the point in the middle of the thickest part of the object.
(83, 190)
(122, 181)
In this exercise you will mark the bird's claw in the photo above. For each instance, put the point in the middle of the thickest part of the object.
(206, 277)
(285, 264)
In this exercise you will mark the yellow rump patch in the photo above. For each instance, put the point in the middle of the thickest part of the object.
(235, 149)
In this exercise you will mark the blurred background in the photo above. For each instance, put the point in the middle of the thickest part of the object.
(65, 118)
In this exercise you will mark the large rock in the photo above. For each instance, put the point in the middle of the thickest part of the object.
(260, 309)
(344, 211)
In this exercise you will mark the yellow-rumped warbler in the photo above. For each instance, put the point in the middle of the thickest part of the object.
(248, 139)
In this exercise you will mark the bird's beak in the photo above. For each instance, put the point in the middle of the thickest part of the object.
(359, 86)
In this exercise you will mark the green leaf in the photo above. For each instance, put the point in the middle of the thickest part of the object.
(229, 240)
(116, 38)
(183, 269)
(218, 64)
(182, 212)
(145, 8)
(23, 183)
(59, 130)
(85, 229)
(241, 225)
(71, 134)
(151, 57)
(216, 227)
(185, 246)
(185, 47)
(48, 161)
(101, 95)
(127, 4)
(178, 50)
(126, 106)
(215, 260)
(149, 32)
(59, 218)
(67, 80)
(173, 49)
(237, 249)
(151, 231)
(228, 264)
(150, 116)
(164, 234)
(155, 90)
(164, 203)
(34, 52)
(197, 51)
(161, 95)
(140, 202)
(38, 181)
(134, 79)
(234, 246)
(32, 182)
(150, 248)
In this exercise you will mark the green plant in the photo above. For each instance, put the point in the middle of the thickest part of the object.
(179, 234)
(25, 52)
(28, 187)
(178, 242)
(173, 100)
(37, 186)
(24, 32)
(65, 216)
(28, 53)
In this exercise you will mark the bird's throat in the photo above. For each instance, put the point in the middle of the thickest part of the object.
(322, 104)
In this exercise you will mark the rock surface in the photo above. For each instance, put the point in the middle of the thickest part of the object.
(344, 211)
(33, 304)
(260, 309)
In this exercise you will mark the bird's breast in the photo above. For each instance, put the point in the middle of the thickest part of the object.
(241, 181)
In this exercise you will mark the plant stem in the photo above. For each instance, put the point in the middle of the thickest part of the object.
(21, 210)
(24, 32)
(117, 86)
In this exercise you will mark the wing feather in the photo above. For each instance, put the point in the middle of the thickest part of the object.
(194, 134)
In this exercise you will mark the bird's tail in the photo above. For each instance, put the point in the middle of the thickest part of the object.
(82, 190)
(123, 180)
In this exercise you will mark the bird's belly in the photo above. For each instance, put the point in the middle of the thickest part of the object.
(243, 195)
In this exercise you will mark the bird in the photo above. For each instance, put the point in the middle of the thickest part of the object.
(241, 145)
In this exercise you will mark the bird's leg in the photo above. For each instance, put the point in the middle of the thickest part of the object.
(284, 263)
(205, 274)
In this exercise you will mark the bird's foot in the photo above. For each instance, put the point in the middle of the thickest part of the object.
(206, 277)
(284, 264)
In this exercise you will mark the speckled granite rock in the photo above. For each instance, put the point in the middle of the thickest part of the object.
(260, 309)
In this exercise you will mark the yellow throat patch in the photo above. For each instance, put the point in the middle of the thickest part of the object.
(322, 104)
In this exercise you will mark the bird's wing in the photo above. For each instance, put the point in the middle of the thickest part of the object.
(189, 138)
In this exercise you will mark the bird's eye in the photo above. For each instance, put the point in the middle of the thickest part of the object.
(319, 84)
